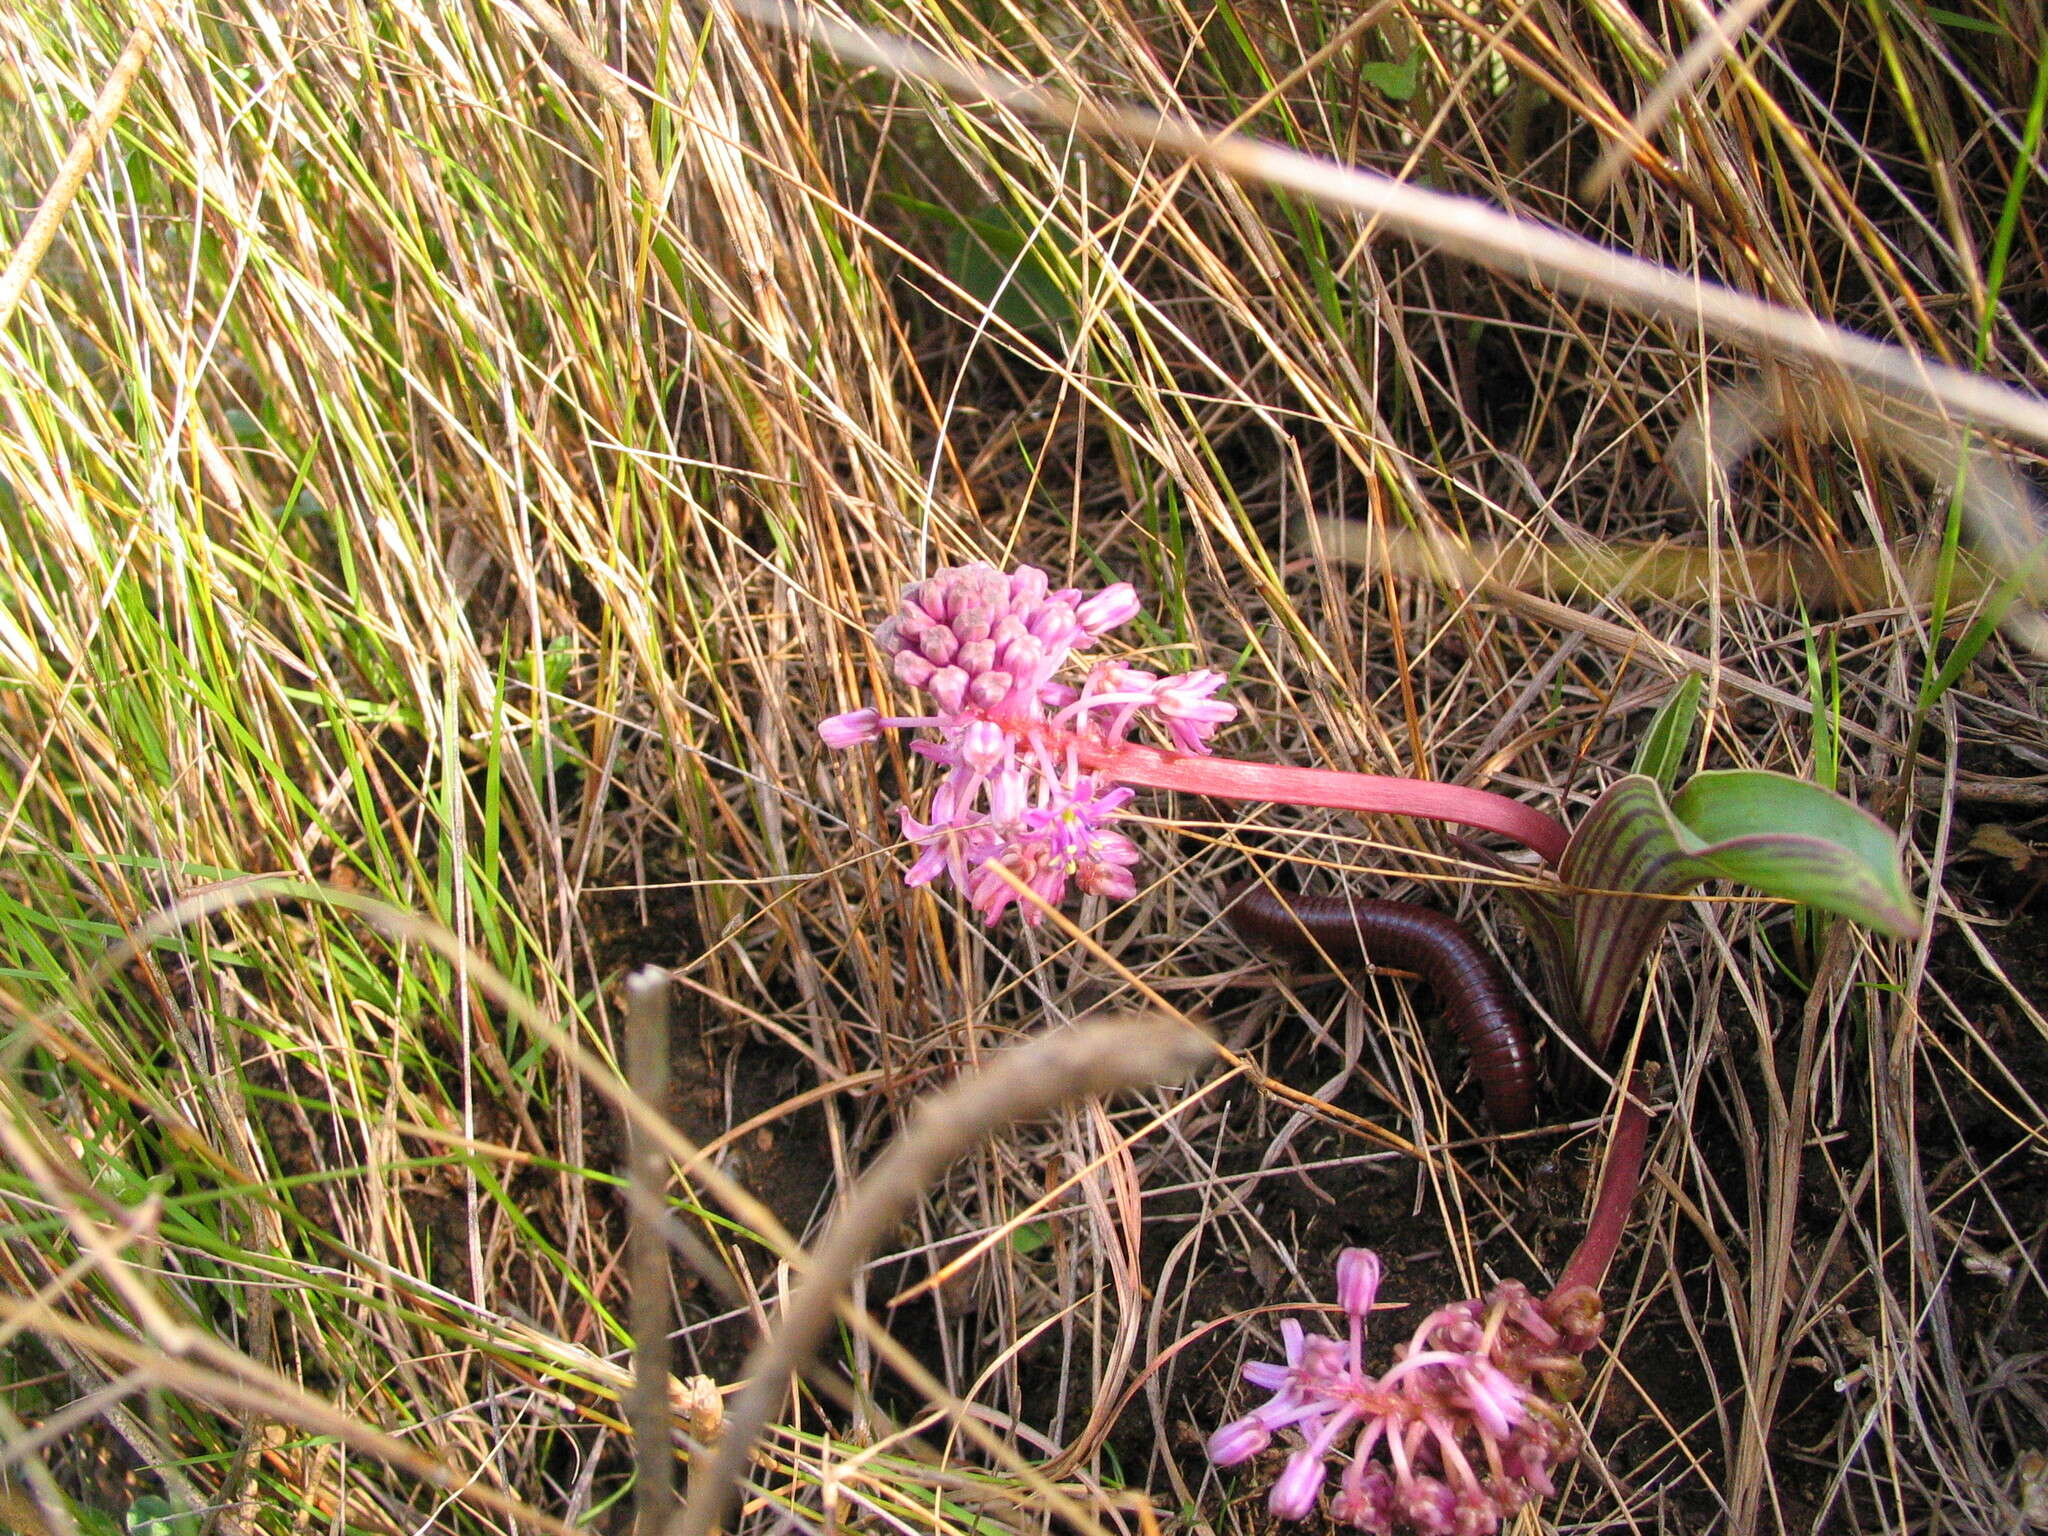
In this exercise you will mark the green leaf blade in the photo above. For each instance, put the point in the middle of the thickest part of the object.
(1627, 858)
(1780, 836)
(1841, 858)
(1670, 733)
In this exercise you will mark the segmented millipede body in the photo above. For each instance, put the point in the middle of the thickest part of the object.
(1475, 995)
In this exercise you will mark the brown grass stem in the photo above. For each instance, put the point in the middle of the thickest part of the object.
(647, 1259)
(603, 79)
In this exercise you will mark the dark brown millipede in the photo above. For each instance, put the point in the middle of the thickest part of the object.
(1475, 995)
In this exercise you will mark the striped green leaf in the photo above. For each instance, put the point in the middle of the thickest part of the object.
(1638, 850)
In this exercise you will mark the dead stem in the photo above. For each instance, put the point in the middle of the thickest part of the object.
(647, 1407)
(85, 147)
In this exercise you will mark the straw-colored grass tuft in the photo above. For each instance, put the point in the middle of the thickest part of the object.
(451, 457)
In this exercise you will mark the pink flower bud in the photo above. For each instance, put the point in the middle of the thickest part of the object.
(982, 584)
(976, 623)
(1365, 1496)
(1239, 1440)
(948, 688)
(1300, 1485)
(984, 745)
(1028, 586)
(913, 670)
(1008, 793)
(935, 596)
(1579, 1318)
(913, 624)
(854, 728)
(1108, 608)
(1358, 1280)
(989, 689)
(1020, 654)
(939, 644)
(1098, 878)
(1455, 1327)
(1056, 626)
(1429, 1505)
(990, 894)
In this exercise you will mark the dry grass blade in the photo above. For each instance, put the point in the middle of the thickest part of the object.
(1716, 39)
(1025, 1083)
(35, 240)
(602, 79)
(219, 1375)
(1464, 227)
(452, 456)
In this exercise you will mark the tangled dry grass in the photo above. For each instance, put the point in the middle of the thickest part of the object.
(452, 456)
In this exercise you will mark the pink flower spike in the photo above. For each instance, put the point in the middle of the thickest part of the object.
(1018, 818)
(1465, 1438)
(855, 728)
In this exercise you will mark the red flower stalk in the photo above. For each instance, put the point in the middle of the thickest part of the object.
(1034, 764)
(1370, 793)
